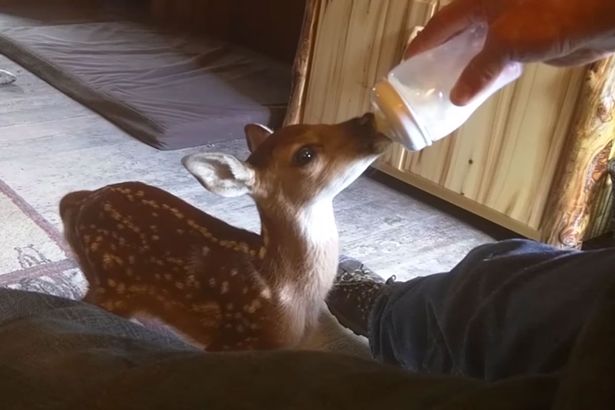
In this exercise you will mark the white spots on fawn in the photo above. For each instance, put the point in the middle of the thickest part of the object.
(175, 261)
(212, 282)
(111, 283)
(234, 272)
(266, 293)
(202, 230)
(150, 203)
(121, 288)
(261, 253)
(224, 288)
(211, 308)
(205, 251)
(253, 307)
(107, 261)
(168, 276)
(239, 328)
(155, 237)
(174, 211)
(131, 259)
(244, 290)
(137, 288)
(179, 285)
(154, 260)
(229, 306)
(192, 282)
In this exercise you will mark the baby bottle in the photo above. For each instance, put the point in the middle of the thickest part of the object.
(412, 103)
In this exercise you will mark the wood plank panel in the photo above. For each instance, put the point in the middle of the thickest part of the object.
(505, 156)
(358, 42)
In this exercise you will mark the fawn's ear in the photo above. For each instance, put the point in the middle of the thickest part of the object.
(221, 174)
(256, 134)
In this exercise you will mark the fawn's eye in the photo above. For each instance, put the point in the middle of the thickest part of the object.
(304, 156)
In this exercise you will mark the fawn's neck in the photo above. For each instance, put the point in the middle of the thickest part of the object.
(300, 256)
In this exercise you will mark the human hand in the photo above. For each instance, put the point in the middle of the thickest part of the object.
(557, 32)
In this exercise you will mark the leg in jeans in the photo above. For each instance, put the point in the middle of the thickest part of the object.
(509, 308)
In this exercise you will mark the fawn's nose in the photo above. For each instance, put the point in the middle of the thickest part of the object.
(364, 126)
(367, 121)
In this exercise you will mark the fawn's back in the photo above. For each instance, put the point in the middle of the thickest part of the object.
(145, 251)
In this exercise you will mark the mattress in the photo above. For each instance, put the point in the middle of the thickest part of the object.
(169, 90)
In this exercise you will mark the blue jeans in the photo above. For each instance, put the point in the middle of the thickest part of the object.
(510, 308)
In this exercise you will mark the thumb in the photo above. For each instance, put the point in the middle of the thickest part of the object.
(484, 68)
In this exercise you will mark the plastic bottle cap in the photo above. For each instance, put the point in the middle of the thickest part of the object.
(398, 114)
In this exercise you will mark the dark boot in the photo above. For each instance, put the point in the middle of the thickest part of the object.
(354, 293)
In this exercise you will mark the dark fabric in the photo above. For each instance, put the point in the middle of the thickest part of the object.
(60, 354)
(169, 90)
(510, 308)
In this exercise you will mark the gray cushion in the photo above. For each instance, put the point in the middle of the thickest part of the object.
(169, 90)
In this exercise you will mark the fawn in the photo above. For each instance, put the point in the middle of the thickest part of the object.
(145, 251)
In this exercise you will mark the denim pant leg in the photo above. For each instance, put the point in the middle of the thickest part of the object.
(509, 308)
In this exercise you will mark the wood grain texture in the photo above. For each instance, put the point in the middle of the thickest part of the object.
(506, 155)
(602, 212)
(301, 65)
(501, 164)
(357, 42)
(584, 160)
